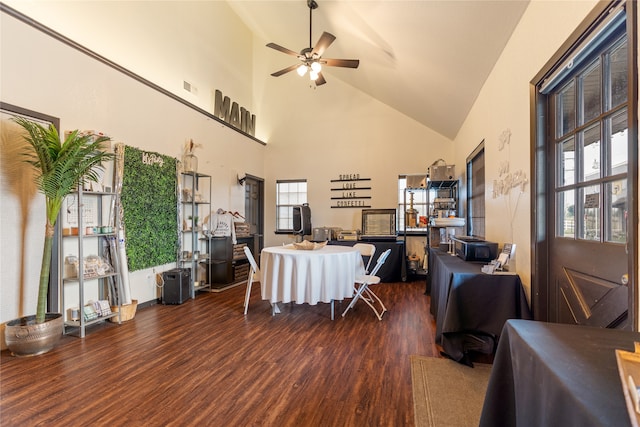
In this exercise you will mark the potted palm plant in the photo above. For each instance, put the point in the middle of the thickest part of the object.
(59, 168)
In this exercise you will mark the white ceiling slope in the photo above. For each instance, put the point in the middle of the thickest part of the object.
(427, 59)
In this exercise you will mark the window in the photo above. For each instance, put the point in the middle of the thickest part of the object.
(475, 192)
(584, 173)
(289, 193)
(411, 197)
(591, 133)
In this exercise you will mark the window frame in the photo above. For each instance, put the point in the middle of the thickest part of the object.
(421, 205)
(472, 194)
(589, 223)
(541, 186)
(289, 206)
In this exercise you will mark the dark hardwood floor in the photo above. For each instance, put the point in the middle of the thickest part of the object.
(205, 363)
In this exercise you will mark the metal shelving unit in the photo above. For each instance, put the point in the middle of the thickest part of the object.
(194, 195)
(414, 231)
(443, 203)
(94, 233)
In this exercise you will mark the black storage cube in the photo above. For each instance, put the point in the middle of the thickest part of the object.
(176, 286)
(220, 272)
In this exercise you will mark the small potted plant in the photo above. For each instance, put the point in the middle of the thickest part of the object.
(59, 168)
(194, 222)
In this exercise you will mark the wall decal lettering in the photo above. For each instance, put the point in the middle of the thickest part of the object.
(352, 192)
(236, 116)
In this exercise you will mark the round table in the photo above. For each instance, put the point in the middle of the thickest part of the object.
(309, 276)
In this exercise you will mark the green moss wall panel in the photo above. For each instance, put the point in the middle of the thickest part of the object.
(149, 205)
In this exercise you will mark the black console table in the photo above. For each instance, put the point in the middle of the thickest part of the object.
(394, 268)
(471, 307)
(547, 374)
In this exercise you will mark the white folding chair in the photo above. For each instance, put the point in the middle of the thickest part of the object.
(366, 250)
(363, 283)
(254, 275)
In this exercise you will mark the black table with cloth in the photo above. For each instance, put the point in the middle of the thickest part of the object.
(471, 307)
(547, 374)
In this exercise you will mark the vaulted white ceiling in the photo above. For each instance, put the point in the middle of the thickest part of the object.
(427, 59)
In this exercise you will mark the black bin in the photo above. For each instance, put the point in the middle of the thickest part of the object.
(220, 271)
(176, 286)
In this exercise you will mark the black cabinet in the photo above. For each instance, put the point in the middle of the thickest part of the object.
(228, 263)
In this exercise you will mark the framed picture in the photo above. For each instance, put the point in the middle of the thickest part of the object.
(7, 111)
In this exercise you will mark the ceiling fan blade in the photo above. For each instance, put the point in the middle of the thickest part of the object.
(320, 80)
(325, 41)
(348, 63)
(283, 49)
(285, 70)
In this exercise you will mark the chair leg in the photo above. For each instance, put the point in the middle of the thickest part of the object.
(384, 309)
(369, 297)
(371, 301)
(247, 294)
(355, 298)
(275, 309)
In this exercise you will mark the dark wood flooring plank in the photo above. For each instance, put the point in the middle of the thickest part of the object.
(204, 363)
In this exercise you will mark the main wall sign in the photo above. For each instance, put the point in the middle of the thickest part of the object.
(232, 113)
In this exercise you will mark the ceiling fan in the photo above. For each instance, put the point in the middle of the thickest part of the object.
(311, 57)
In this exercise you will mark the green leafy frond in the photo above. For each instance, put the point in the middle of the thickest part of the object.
(40, 140)
(61, 166)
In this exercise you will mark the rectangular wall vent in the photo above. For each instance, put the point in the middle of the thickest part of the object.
(189, 87)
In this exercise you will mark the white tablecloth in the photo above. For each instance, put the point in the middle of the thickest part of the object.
(320, 275)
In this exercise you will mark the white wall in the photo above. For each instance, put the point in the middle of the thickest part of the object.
(167, 42)
(44, 75)
(311, 134)
(320, 133)
(503, 105)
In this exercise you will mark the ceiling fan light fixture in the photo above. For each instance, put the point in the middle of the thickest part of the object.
(311, 56)
(302, 69)
(315, 66)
